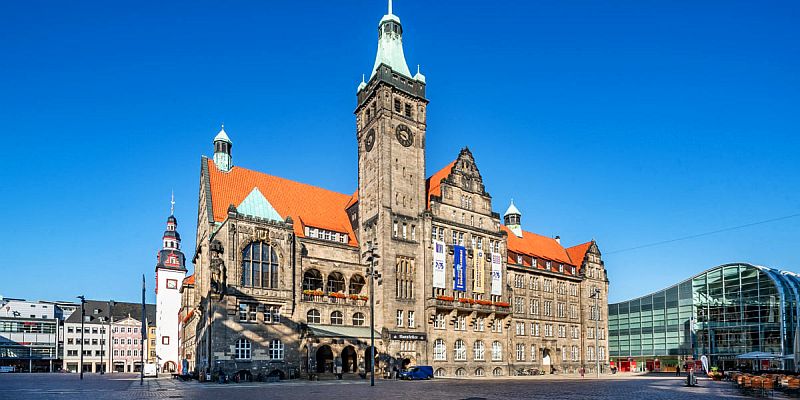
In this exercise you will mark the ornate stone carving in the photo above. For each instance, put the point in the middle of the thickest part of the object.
(218, 270)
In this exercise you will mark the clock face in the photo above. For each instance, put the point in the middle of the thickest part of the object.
(172, 284)
(369, 141)
(404, 135)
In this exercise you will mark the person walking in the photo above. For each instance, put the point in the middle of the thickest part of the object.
(583, 371)
(677, 370)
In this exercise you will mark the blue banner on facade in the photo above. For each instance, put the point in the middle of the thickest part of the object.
(459, 268)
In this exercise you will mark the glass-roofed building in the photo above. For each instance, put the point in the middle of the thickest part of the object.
(726, 311)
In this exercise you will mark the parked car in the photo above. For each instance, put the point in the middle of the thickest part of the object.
(417, 373)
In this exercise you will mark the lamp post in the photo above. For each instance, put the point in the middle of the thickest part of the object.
(596, 295)
(111, 304)
(83, 317)
(372, 258)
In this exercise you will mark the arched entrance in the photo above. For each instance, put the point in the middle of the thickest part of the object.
(324, 359)
(546, 361)
(242, 376)
(276, 373)
(169, 367)
(404, 363)
(349, 360)
(368, 359)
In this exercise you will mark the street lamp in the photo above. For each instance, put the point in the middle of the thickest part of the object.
(596, 295)
(83, 317)
(111, 304)
(372, 259)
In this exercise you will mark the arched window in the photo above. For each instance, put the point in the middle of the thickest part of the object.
(497, 351)
(461, 372)
(479, 372)
(337, 318)
(439, 350)
(460, 351)
(335, 282)
(478, 350)
(243, 349)
(440, 372)
(312, 317)
(497, 371)
(358, 319)
(260, 266)
(312, 280)
(356, 284)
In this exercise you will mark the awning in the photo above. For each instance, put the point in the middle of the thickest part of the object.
(758, 355)
(340, 331)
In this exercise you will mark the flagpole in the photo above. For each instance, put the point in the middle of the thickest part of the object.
(141, 342)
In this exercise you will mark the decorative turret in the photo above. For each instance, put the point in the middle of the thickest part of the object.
(390, 45)
(512, 219)
(222, 151)
(170, 255)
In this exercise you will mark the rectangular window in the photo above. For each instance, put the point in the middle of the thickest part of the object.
(520, 352)
(411, 322)
(399, 318)
(165, 340)
(460, 323)
(438, 321)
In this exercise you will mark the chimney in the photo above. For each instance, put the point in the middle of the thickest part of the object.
(558, 239)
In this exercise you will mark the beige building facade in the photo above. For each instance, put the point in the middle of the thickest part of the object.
(282, 276)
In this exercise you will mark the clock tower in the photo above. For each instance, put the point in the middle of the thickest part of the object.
(390, 132)
(170, 271)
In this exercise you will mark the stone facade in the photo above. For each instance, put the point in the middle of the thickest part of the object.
(281, 282)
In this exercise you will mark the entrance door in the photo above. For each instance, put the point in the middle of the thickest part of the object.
(349, 360)
(546, 359)
(324, 359)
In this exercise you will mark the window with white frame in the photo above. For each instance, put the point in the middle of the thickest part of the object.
(497, 351)
(272, 314)
(411, 322)
(478, 351)
(548, 330)
(276, 350)
(242, 349)
(400, 318)
(497, 372)
(459, 350)
(439, 350)
(358, 319)
(520, 328)
(438, 321)
(460, 323)
(337, 318)
(247, 312)
(479, 324)
(533, 352)
(520, 352)
(575, 353)
(534, 307)
(497, 326)
(534, 329)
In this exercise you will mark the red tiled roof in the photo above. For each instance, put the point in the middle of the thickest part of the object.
(434, 183)
(537, 246)
(189, 280)
(307, 205)
(353, 200)
(578, 252)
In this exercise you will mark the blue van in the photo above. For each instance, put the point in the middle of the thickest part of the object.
(417, 373)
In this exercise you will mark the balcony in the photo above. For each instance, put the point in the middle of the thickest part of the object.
(337, 299)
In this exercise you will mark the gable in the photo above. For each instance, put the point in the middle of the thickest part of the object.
(256, 205)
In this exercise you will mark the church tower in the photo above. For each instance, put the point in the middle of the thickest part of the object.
(390, 132)
(170, 271)
(222, 151)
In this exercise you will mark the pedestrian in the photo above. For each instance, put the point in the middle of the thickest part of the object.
(678, 370)
(583, 371)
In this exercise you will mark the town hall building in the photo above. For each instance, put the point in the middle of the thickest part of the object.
(281, 280)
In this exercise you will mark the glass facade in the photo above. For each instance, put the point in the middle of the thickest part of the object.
(725, 311)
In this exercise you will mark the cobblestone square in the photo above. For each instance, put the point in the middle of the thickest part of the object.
(126, 386)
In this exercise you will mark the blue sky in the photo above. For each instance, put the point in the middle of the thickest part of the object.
(629, 122)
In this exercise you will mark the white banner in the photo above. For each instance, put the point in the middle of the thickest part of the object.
(497, 278)
(477, 274)
(439, 262)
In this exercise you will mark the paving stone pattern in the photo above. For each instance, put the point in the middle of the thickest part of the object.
(95, 387)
